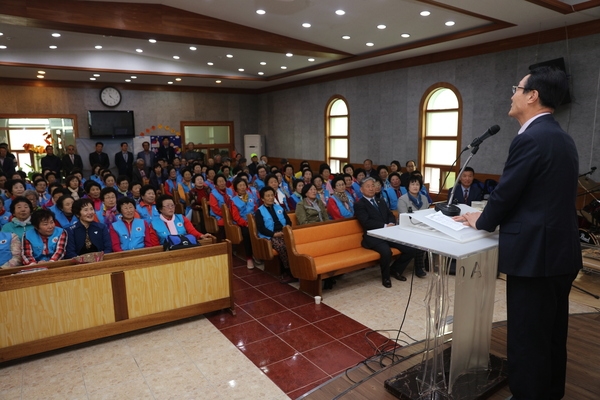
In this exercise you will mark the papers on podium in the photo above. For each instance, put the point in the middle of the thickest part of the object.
(437, 224)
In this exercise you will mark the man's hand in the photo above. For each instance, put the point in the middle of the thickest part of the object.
(468, 219)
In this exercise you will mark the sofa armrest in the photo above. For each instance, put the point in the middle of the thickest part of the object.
(301, 265)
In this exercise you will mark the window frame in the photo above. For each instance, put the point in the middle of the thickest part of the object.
(343, 160)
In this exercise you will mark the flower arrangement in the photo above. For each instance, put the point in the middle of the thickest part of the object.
(34, 149)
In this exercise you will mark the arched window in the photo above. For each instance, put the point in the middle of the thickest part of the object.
(439, 144)
(337, 137)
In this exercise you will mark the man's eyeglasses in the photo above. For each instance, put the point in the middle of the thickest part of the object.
(514, 88)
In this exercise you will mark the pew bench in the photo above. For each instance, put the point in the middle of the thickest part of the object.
(327, 249)
(262, 248)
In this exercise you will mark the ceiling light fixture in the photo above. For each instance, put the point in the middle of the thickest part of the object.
(97, 75)
(192, 48)
(261, 12)
(241, 69)
(229, 56)
(405, 35)
(340, 12)
(425, 13)
(56, 35)
(345, 37)
(127, 80)
(217, 81)
(178, 79)
(2, 47)
(1, 33)
(381, 26)
(370, 44)
(98, 47)
(152, 40)
(261, 73)
(450, 23)
(306, 25)
(210, 63)
(133, 77)
(41, 76)
(92, 79)
(263, 63)
(139, 50)
(176, 57)
(283, 67)
(170, 82)
(289, 55)
(42, 72)
(311, 59)
(53, 47)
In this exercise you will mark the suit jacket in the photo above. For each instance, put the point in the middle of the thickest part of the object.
(68, 166)
(534, 204)
(372, 218)
(52, 163)
(98, 233)
(475, 194)
(8, 166)
(101, 159)
(124, 167)
(167, 153)
(148, 161)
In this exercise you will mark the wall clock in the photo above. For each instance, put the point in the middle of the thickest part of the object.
(110, 96)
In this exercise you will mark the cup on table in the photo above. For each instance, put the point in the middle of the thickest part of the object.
(317, 299)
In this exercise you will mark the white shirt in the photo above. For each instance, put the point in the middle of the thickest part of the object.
(529, 121)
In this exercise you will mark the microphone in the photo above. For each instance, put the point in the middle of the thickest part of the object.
(477, 141)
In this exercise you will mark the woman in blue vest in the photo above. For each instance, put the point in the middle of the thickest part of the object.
(5, 215)
(270, 220)
(46, 242)
(296, 196)
(64, 217)
(87, 235)
(21, 210)
(169, 223)
(340, 204)
(10, 250)
(241, 205)
(146, 207)
(108, 213)
(394, 192)
(217, 198)
(129, 233)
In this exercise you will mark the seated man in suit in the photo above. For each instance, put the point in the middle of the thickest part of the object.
(467, 192)
(374, 214)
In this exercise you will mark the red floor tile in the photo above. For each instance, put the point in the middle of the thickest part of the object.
(260, 279)
(246, 333)
(293, 299)
(262, 308)
(306, 338)
(339, 326)
(367, 342)
(223, 319)
(283, 322)
(303, 390)
(293, 373)
(267, 351)
(249, 295)
(314, 312)
(333, 357)
(239, 284)
(242, 272)
(276, 289)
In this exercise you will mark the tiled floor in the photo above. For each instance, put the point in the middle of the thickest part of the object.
(279, 345)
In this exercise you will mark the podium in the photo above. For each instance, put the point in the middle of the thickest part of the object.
(466, 370)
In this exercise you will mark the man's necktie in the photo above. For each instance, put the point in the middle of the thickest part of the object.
(374, 204)
(466, 194)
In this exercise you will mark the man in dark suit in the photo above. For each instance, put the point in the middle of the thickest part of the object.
(99, 157)
(166, 151)
(467, 192)
(7, 163)
(51, 162)
(369, 171)
(539, 250)
(148, 156)
(124, 160)
(374, 213)
(71, 160)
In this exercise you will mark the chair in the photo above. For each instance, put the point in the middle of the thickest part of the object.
(232, 231)
(210, 222)
(263, 249)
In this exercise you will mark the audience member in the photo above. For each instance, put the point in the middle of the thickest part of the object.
(242, 204)
(21, 210)
(10, 250)
(467, 191)
(311, 208)
(99, 157)
(340, 205)
(169, 223)
(129, 232)
(87, 235)
(71, 161)
(46, 242)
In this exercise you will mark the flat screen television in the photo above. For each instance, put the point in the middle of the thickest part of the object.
(113, 124)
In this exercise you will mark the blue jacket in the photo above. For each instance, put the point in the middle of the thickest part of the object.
(99, 237)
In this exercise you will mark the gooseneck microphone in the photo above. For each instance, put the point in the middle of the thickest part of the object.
(477, 141)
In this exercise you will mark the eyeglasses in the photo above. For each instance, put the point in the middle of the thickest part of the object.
(514, 88)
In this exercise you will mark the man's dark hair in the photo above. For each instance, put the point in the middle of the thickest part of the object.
(100, 143)
(122, 143)
(40, 216)
(551, 84)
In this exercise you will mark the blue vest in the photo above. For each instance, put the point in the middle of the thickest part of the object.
(259, 183)
(244, 208)
(5, 218)
(133, 240)
(344, 212)
(37, 245)
(145, 215)
(5, 253)
(61, 218)
(172, 186)
(254, 193)
(357, 192)
(325, 196)
(220, 202)
(268, 220)
(296, 197)
(161, 228)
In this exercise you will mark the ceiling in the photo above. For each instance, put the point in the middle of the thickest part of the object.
(218, 28)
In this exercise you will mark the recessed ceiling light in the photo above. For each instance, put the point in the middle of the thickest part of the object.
(1, 33)
(56, 35)
(241, 69)
(340, 12)
(176, 57)
(261, 73)
(345, 37)
(450, 23)
(152, 40)
(92, 79)
(311, 59)
(370, 44)
(381, 26)
(133, 77)
(261, 12)
(289, 55)
(178, 79)
(42, 72)
(193, 48)
(283, 67)
(405, 35)
(217, 81)
(53, 47)
(41, 76)
(425, 13)
(229, 56)
(98, 47)
(170, 82)
(210, 63)
(127, 80)
(97, 75)
(139, 50)
(2, 47)
(306, 25)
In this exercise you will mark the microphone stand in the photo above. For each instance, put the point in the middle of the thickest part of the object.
(449, 209)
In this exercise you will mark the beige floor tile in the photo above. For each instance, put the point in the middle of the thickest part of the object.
(68, 385)
(11, 378)
(11, 394)
(132, 390)
(48, 366)
(158, 359)
(111, 373)
(183, 381)
(239, 388)
(106, 351)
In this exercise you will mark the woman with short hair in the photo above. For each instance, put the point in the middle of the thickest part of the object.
(21, 210)
(87, 235)
(311, 208)
(168, 223)
(340, 204)
(241, 206)
(46, 242)
(129, 232)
